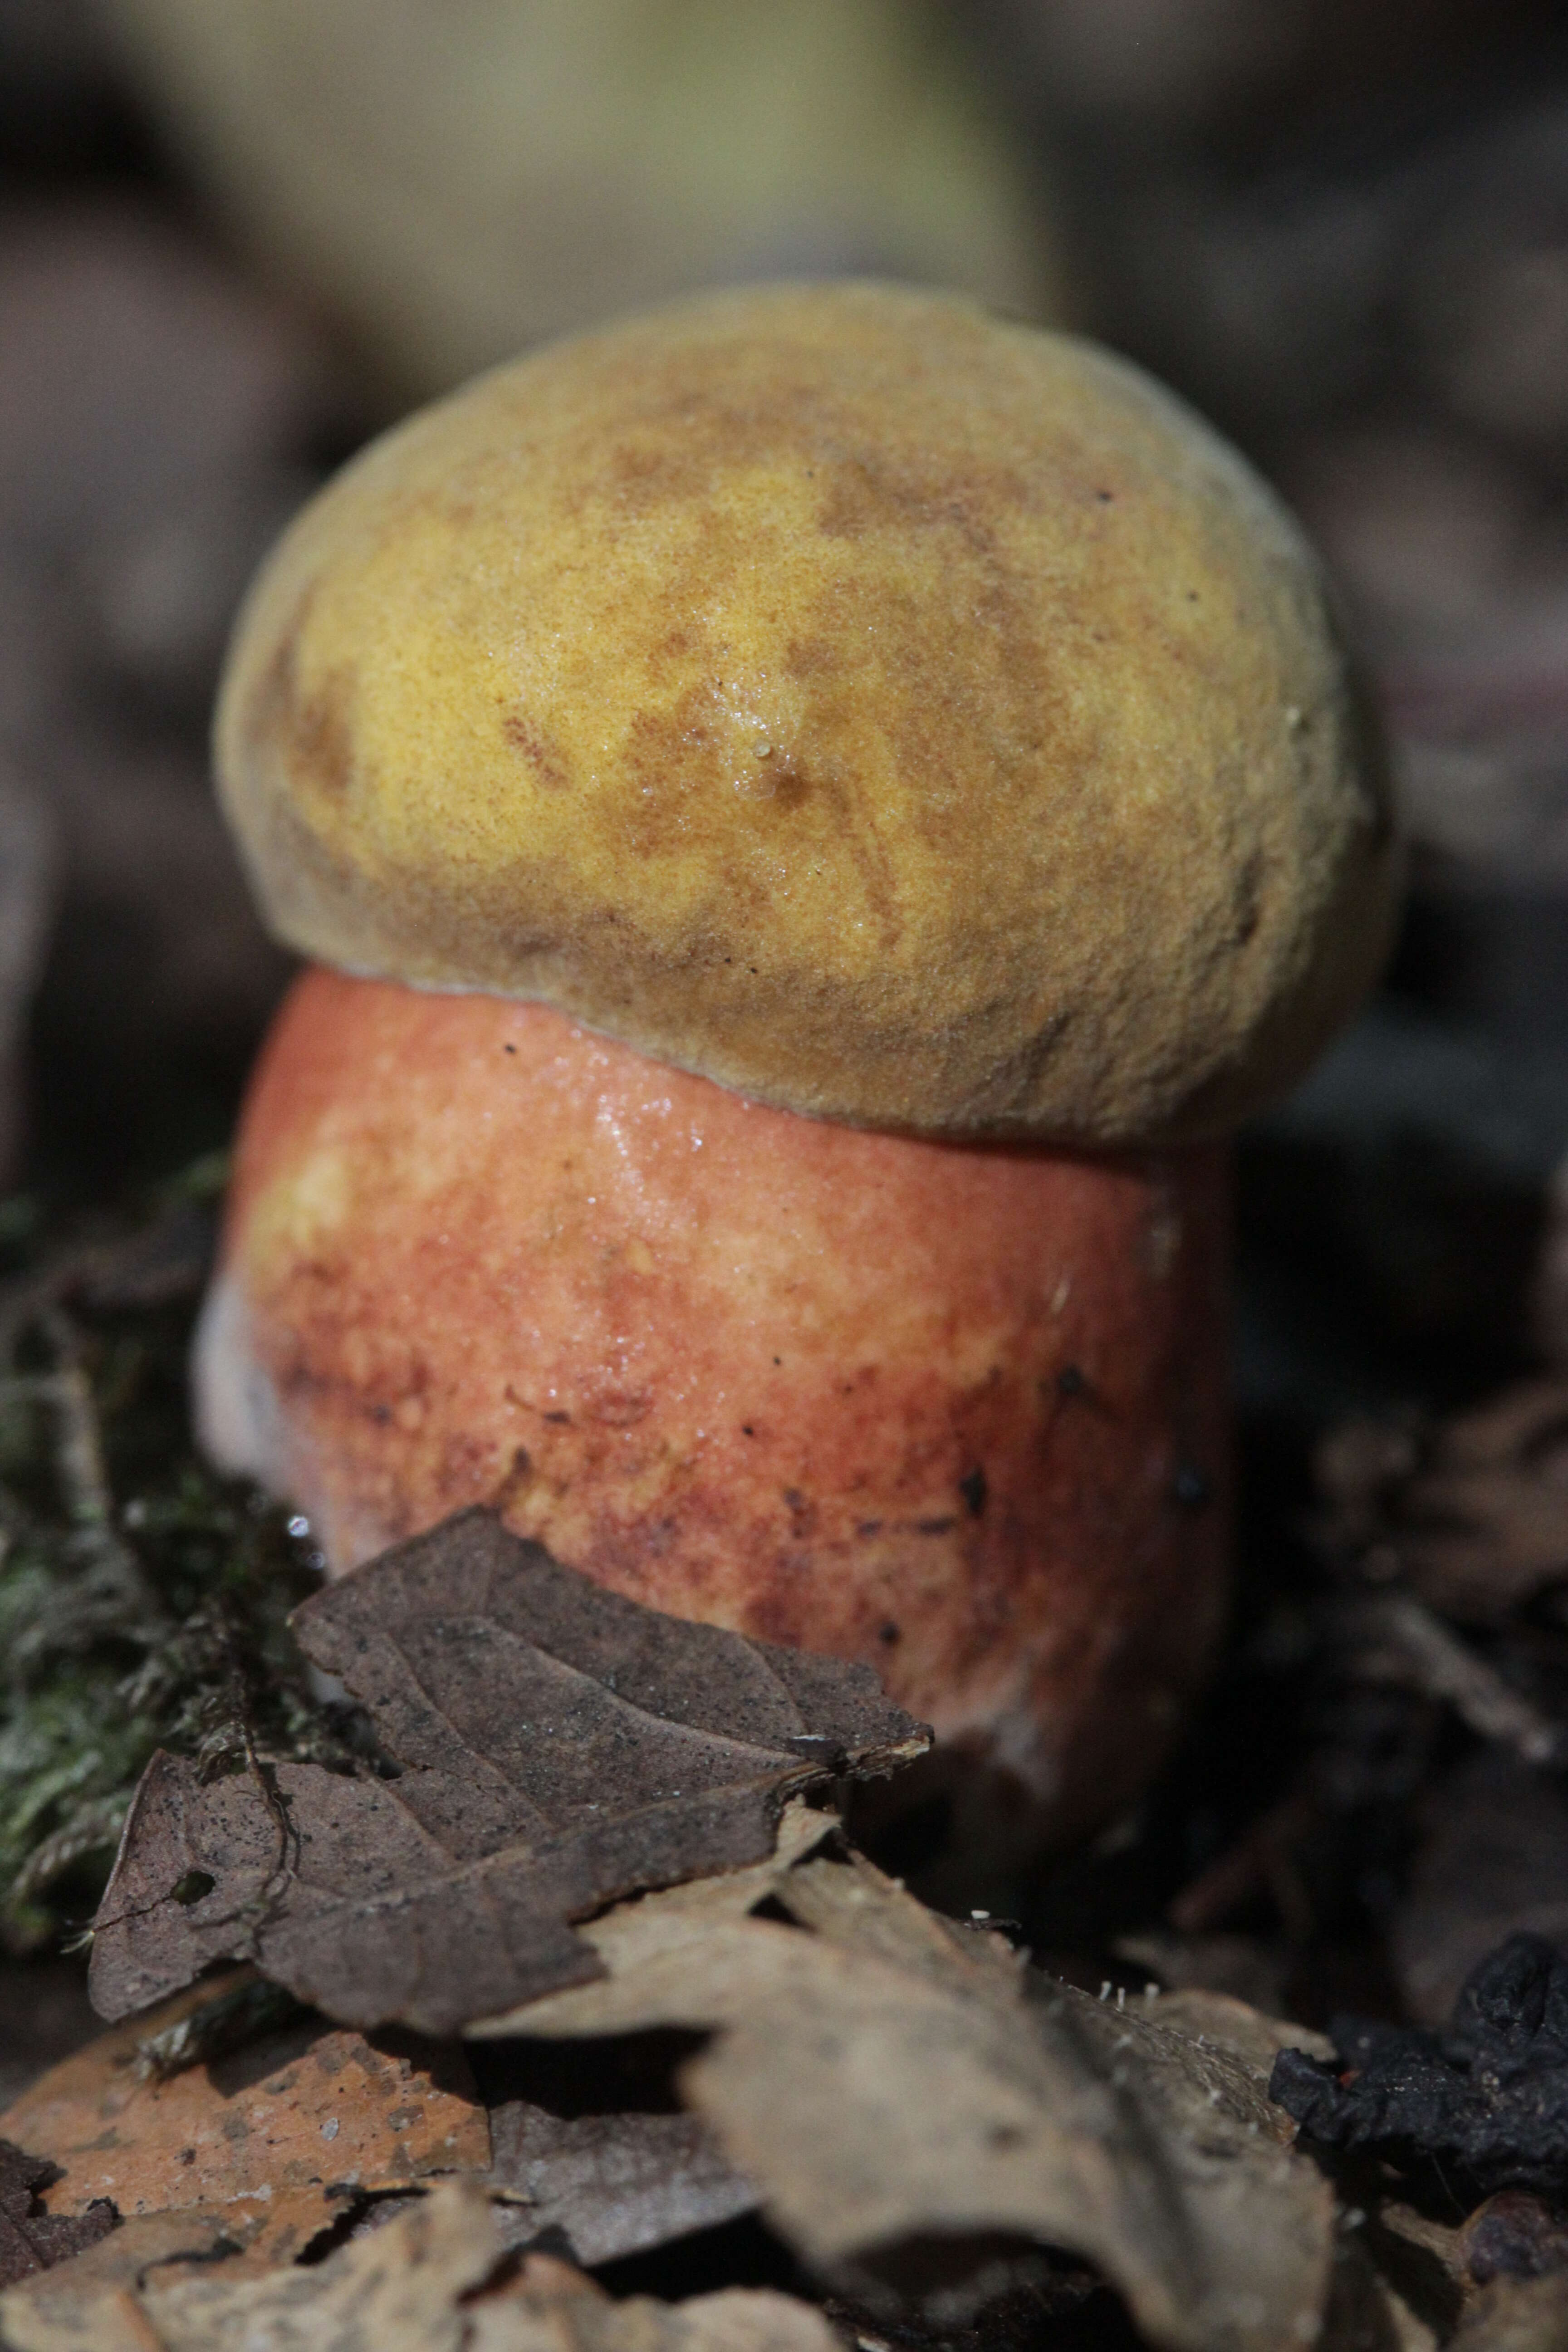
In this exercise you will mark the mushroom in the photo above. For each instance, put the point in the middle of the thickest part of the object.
(814, 811)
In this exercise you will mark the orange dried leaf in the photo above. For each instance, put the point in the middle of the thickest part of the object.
(267, 2133)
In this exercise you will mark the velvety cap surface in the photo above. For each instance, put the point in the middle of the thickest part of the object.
(897, 715)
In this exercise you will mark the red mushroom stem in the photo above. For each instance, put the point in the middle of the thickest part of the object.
(956, 1410)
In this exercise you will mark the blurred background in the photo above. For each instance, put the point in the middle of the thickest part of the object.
(238, 235)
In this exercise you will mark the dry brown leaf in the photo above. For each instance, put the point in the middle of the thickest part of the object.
(399, 2290)
(432, 2280)
(887, 2075)
(264, 2133)
(561, 1748)
(1243, 2032)
(615, 2182)
(1417, 2266)
(653, 1943)
(1406, 2281)
(612, 2185)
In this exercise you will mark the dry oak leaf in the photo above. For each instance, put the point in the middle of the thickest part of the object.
(886, 2076)
(267, 2133)
(435, 2280)
(561, 1748)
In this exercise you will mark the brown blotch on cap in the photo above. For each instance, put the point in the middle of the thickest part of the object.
(897, 715)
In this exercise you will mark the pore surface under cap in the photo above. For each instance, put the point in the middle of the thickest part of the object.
(900, 715)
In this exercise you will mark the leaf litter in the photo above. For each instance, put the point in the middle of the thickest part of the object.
(919, 2114)
(908, 2221)
(306, 2132)
(437, 2279)
(556, 1748)
(279, 2132)
(605, 2175)
(603, 2186)
(887, 2077)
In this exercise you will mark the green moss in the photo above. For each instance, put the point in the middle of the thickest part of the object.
(144, 1601)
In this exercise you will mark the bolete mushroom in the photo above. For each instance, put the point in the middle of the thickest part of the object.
(818, 807)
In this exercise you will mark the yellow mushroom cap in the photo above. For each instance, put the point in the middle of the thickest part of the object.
(896, 714)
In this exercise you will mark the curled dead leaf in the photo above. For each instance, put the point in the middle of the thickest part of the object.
(886, 2076)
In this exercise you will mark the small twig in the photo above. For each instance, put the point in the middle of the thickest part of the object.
(285, 1869)
(147, 1268)
(1260, 1862)
(1395, 1638)
(78, 1459)
(84, 1476)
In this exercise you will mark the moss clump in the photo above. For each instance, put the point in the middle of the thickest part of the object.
(144, 1601)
